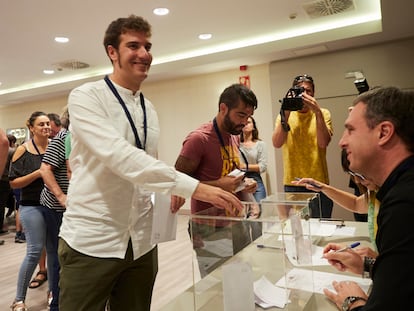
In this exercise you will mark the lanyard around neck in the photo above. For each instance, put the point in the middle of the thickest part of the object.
(37, 149)
(128, 114)
(216, 129)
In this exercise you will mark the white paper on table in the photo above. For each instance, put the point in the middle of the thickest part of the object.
(321, 229)
(238, 287)
(315, 256)
(302, 279)
(345, 231)
(316, 228)
(164, 222)
(221, 248)
(268, 295)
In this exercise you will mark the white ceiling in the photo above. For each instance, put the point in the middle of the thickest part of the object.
(259, 29)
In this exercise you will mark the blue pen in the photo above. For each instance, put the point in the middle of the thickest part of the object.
(350, 246)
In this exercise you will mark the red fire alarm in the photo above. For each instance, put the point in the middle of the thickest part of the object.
(243, 67)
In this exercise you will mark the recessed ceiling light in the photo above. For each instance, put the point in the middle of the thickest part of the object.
(61, 39)
(48, 71)
(205, 36)
(161, 11)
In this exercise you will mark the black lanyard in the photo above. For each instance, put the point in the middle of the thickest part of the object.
(224, 147)
(34, 145)
(131, 122)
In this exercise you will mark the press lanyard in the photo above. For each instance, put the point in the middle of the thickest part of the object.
(224, 147)
(131, 122)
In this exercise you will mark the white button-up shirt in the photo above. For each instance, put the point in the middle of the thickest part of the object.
(112, 180)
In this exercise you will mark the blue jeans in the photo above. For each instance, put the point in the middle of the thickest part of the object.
(53, 221)
(326, 204)
(34, 226)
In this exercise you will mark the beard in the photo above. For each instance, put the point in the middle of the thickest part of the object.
(230, 127)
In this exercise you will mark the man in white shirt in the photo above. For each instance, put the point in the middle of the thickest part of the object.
(105, 250)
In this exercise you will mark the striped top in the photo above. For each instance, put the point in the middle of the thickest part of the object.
(55, 156)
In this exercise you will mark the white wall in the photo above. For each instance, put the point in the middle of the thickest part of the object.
(184, 104)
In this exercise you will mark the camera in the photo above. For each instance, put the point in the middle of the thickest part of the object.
(293, 99)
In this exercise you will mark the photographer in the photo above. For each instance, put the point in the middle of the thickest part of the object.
(304, 130)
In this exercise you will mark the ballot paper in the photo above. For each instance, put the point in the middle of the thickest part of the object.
(267, 295)
(316, 229)
(164, 222)
(316, 281)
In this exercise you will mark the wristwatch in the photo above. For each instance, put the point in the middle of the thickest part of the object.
(346, 305)
(368, 266)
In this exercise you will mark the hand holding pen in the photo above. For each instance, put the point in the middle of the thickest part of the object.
(344, 258)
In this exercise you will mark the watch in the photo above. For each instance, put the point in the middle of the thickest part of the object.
(346, 305)
(368, 266)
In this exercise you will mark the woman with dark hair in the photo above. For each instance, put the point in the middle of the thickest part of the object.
(25, 174)
(254, 155)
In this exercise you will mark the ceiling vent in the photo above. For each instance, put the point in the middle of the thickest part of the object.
(71, 65)
(322, 8)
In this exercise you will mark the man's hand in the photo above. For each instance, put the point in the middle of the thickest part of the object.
(230, 183)
(347, 260)
(343, 290)
(250, 185)
(219, 198)
(176, 203)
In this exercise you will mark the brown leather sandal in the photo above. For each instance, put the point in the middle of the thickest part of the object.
(39, 279)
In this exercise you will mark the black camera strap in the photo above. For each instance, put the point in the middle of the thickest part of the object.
(285, 125)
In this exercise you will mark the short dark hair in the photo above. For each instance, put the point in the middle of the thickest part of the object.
(236, 92)
(121, 26)
(303, 78)
(55, 118)
(391, 104)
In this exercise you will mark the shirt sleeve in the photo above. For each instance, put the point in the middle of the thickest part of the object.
(262, 156)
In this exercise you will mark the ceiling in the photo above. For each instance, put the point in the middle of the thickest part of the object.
(244, 33)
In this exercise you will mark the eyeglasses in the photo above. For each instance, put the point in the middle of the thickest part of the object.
(303, 78)
(356, 175)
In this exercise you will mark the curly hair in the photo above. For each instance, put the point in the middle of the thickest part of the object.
(121, 26)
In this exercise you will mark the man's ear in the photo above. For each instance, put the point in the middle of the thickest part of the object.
(386, 131)
(112, 52)
(223, 108)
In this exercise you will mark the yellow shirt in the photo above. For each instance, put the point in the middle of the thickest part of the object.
(301, 155)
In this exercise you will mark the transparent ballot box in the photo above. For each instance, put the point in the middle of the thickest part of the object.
(242, 261)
